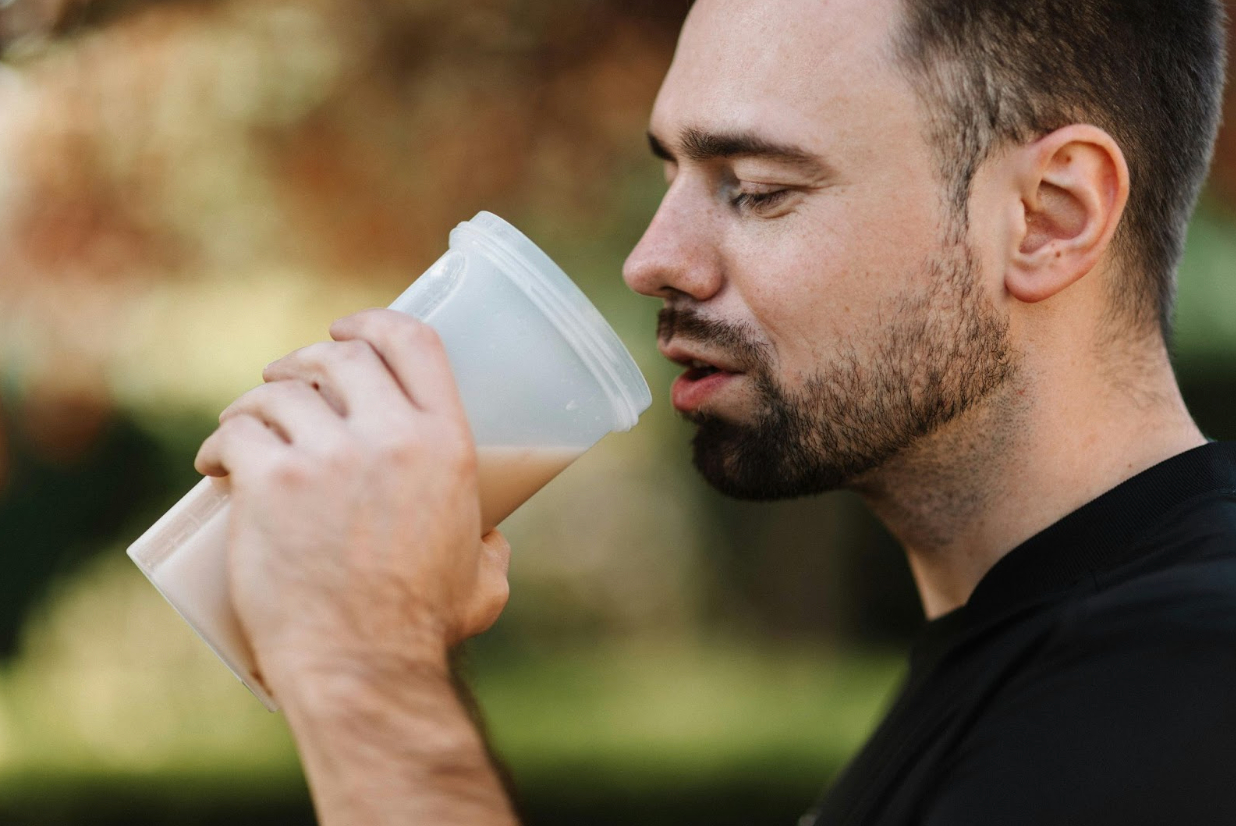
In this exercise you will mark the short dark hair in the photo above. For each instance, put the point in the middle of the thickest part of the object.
(1148, 72)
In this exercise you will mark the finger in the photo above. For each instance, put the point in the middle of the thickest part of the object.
(414, 353)
(350, 375)
(240, 443)
(296, 411)
(496, 546)
(493, 589)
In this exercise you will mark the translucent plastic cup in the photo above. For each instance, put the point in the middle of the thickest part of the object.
(543, 378)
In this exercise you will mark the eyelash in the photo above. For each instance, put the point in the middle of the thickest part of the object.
(759, 200)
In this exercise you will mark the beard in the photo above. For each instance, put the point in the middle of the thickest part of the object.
(945, 352)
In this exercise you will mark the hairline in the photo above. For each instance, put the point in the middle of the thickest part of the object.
(961, 157)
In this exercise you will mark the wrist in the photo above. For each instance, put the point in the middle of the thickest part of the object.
(322, 686)
(403, 728)
(408, 712)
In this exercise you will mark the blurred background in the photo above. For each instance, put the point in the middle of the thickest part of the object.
(191, 188)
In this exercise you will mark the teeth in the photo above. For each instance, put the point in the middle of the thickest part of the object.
(699, 365)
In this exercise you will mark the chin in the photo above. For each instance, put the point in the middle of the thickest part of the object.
(759, 464)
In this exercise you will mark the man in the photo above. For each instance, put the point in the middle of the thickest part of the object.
(923, 249)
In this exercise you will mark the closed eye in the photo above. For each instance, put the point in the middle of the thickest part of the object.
(758, 201)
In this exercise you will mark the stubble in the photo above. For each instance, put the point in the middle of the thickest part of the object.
(936, 355)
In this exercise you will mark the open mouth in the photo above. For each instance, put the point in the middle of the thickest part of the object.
(697, 370)
(700, 385)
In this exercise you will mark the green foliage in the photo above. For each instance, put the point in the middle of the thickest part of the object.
(200, 186)
(1206, 302)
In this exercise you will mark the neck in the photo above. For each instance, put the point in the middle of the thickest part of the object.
(1046, 444)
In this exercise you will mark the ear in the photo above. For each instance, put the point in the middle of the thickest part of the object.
(1074, 184)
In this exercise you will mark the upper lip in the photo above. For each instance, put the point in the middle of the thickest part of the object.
(695, 358)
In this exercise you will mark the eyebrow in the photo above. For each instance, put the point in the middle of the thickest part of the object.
(701, 146)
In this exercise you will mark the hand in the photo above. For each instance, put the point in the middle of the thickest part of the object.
(354, 542)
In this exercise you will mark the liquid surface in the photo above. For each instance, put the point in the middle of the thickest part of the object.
(186, 557)
(508, 476)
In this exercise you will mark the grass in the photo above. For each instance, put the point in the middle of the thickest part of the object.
(116, 713)
(663, 715)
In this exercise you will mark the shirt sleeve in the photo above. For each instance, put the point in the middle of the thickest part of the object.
(1126, 717)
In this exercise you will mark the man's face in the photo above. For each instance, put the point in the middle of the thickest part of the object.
(825, 299)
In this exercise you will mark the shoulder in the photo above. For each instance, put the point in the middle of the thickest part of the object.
(1126, 711)
(1179, 585)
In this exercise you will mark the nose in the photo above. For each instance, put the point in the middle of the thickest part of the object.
(679, 253)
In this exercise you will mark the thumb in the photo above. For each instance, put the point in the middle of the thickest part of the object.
(492, 589)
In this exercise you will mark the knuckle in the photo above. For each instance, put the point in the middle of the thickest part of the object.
(344, 356)
(412, 439)
(403, 444)
(369, 317)
(312, 354)
(340, 453)
(419, 336)
(354, 350)
(296, 364)
(328, 358)
(234, 425)
(426, 334)
(291, 472)
(351, 320)
(314, 357)
(365, 325)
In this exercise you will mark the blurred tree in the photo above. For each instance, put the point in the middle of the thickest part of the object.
(150, 142)
(76, 475)
(157, 141)
(153, 145)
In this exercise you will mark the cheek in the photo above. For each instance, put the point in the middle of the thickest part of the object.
(829, 277)
(812, 302)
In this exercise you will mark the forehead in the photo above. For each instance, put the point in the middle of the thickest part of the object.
(784, 65)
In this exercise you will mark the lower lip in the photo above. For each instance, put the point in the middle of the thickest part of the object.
(690, 392)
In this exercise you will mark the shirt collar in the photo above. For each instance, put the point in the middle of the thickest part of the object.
(1098, 536)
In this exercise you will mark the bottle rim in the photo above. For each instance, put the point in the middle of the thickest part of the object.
(568, 309)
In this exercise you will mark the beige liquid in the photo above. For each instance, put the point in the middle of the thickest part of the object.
(186, 559)
(184, 555)
(194, 579)
(510, 475)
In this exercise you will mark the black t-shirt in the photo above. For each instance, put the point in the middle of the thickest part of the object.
(1090, 679)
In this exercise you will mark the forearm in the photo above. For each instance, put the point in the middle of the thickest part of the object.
(351, 598)
(398, 749)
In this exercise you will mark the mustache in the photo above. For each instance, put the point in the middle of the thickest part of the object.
(732, 339)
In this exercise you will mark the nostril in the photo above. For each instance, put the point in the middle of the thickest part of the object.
(643, 275)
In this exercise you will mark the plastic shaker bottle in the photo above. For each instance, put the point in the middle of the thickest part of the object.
(543, 378)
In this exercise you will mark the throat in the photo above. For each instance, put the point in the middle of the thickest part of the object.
(946, 497)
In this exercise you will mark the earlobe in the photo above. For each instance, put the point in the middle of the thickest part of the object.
(1074, 184)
